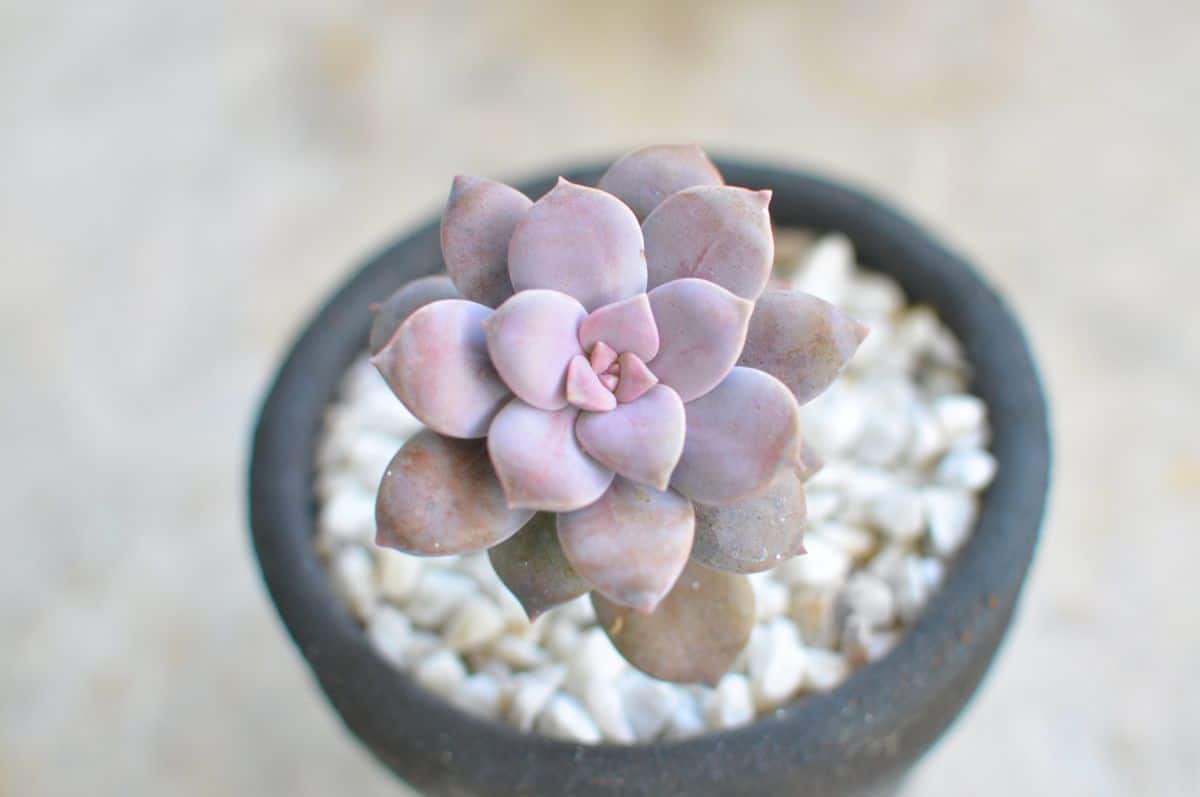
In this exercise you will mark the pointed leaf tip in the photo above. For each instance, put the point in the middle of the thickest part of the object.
(532, 565)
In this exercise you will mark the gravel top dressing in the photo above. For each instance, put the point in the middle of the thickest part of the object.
(905, 451)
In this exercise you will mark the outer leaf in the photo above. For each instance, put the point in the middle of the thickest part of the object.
(392, 312)
(738, 436)
(719, 233)
(695, 633)
(531, 564)
(803, 341)
(701, 327)
(626, 326)
(437, 364)
(630, 545)
(478, 223)
(641, 440)
(440, 496)
(645, 178)
(755, 534)
(539, 461)
(582, 242)
(531, 339)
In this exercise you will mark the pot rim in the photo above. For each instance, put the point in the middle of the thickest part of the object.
(868, 729)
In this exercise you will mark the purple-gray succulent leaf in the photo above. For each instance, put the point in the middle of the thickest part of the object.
(644, 178)
(478, 223)
(695, 633)
(631, 544)
(625, 326)
(585, 388)
(738, 437)
(437, 364)
(715, 232)
(701, 328)
(755, 534)
(532, 565)
(532, 338)
(582, 242)
(634, 378)
(389, 314)
(539, 460)
(641, 440)
(802, 340)
(440, 496)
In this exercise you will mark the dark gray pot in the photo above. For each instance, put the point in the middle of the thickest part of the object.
(860, 738)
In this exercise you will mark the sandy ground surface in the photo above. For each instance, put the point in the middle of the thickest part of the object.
(181, 182)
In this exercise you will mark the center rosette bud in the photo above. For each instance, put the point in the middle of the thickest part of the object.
(604, 379)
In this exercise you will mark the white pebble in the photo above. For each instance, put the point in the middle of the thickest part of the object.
(855, 541)
(869, 597)
(776, 664)
(770, 596)
(607, 708)
(960, 415)
(822, 504)
(899, 513)
(390, 631)
(579, 611)
(563, 718)
(592, 658)
(475, 623)
(952, 515)
(731, 703)
(824, 669)
(824, 565)
(560, 637)
(480, 694)
(647, 703)
(686, 719)
(912, 588)
(884, 437)
(827, 269)
(815, 612)
(929, 440)
(441, 672)
(399, 573)
(834, 421)
(521, 652)
(864, 643)
(933, 572)
(349, 516)
(972, 468)
(421, 644)
(369, 455)
(531, 692)
(353, 580)
(437, 596)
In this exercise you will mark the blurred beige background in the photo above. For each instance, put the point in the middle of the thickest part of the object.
(181, 182)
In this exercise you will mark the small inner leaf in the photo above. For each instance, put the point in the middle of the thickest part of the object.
(695, 633)
(532, 565)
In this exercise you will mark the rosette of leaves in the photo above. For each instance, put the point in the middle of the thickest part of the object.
(612, 401)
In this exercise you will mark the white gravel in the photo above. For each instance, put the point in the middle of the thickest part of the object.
(906, 457)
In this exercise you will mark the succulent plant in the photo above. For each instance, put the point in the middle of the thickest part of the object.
(612, 401)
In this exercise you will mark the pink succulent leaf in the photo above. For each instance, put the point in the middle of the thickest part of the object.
(584, 388)
(635, 378)
(391, 313)
(540, 463)
(701, 327)
(440, 496)
(802, 340)
(437, 363)
(696, 632)
(602, 357)
(630, 545)
(627, 325)
(738, 437)
(755, 534)
(532, 565)
(644, 178)
(641, 440)
(715, 232)
(532, 338)
(478, 223)
(582, 242)
(610, 381)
